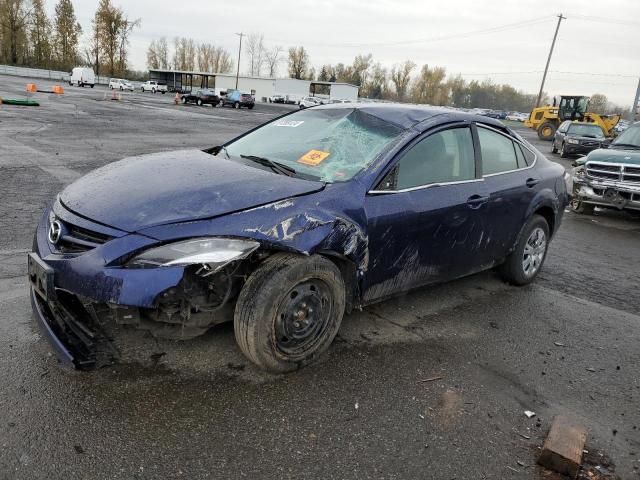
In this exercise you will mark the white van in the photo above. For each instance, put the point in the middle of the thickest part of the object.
(82, 76)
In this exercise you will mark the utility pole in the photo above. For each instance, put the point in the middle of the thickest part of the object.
(546, 68)
(634, 108)
(239, 50)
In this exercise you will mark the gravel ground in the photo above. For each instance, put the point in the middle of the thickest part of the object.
(363, 411)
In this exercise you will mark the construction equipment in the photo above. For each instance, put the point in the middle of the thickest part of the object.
(546, 120)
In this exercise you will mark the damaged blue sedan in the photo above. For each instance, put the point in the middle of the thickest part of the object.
(288, 227)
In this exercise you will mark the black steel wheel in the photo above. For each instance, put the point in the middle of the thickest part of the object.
(289, 311)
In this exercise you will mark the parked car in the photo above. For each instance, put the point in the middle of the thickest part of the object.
(202, 96)
(120, 84)
(307, 102)
(237, 99)
(277, 98)
(574, 138)
(608, 177)
(516, 117)
(498, 114)
(293, 99)
(621, 126)
(285, 228)
(82, 76)
(153, 87)
(339, 100)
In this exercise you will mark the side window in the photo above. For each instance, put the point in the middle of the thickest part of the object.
(445, 156)
(498, 152)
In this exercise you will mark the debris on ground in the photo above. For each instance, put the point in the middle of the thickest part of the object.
(559, 344)
(529, 413)
(432, 379)
(563, 447)
(591, 369)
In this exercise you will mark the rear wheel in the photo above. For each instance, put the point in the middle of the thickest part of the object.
(289, 311)
(546, 131)
(525, 262)
(236, 105)
(581, 208)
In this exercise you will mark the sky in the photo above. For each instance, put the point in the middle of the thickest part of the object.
(597, 50)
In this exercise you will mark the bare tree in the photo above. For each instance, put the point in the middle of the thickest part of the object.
(67, 31)
(40, 35)
(298, 62)
(14, 18)
(272, 59)
(401, 76)
(255, 53)
(162, 50)
(153, 60)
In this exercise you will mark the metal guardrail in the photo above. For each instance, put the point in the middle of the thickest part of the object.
(55, 75)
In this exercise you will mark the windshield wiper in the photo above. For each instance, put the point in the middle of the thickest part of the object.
(275, 166)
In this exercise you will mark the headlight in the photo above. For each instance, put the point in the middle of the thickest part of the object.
(213, 252)
(573, 141)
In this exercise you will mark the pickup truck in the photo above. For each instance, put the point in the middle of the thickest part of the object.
(153, 87)
(608, 177)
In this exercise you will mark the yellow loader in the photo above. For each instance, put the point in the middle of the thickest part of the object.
(546, 120)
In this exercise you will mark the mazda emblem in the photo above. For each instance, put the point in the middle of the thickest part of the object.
(55, 231)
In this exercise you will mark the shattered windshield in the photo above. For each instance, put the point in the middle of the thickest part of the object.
(330, 144)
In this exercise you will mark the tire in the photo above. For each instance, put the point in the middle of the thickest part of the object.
(153, 90)
(221, 104)
(163, 92)
(581, 208)
(514, 270)
(70, 83)
(250, 107)
(271, 321)
(563, 153)
(553, 147)
(236, 105)
(142, 89)
(110, 87)
(121, 89)
(199, 102)
(92, 85)
(184, 100)
(547, 131)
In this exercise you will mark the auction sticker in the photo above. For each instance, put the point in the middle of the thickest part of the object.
(289, 123)
(313, 157)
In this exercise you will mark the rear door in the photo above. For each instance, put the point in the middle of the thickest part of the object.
(511, 184)
(425, 218)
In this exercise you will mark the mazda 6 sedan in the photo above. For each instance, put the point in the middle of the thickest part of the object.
(288, 227)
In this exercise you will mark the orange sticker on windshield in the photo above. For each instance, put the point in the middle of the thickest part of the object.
(313, 157)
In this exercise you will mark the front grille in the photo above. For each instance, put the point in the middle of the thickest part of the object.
(631, 174)
(79, 240)
(591, 144)
(605, 171)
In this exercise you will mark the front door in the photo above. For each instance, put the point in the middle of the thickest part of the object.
(426, 218)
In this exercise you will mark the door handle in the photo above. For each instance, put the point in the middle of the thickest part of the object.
(532, 182)
(476, 201)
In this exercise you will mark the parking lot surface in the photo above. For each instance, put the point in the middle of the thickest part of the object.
(568, 344)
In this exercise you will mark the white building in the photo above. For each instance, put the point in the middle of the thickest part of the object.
(260, 87)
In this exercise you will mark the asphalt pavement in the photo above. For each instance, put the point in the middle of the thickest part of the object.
(433, 384)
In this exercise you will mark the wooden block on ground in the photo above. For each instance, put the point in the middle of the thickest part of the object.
(562, 450)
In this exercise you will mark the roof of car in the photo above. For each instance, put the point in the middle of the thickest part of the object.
(407, 115)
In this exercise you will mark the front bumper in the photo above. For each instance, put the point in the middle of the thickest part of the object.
(579, 149)
(606, 193)
(80, 301)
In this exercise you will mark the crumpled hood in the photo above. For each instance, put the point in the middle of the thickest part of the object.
(180, 186)
(612, 155)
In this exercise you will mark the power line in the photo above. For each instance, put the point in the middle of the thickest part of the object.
(615, 21)
(470, 74)
(496, 29)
